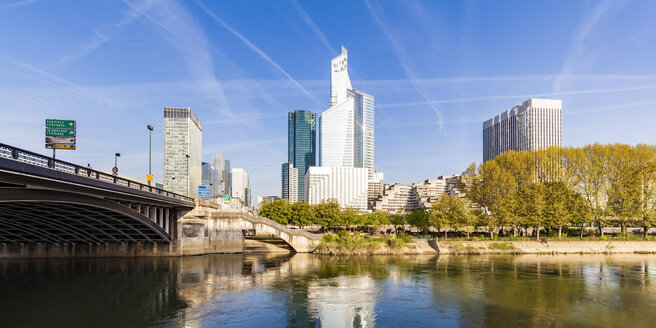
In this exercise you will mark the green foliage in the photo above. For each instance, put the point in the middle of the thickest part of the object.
(501, 245)
(418, 219)
(279, 211)
(302, 214)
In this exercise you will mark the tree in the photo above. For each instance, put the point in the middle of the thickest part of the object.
(580, 211)
(589, 170)
(460, 214)
(419, 219)
(350, 217)
(532, 204)
(556, 211)
(398, 219)
(278, 211)
(327, 214)
(623, 185)
(377, 219)
(646, 178)
(438, 214)
(302, 214)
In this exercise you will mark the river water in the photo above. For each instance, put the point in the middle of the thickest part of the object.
(305, 290)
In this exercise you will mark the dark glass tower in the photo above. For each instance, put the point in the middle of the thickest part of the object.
(301, 143)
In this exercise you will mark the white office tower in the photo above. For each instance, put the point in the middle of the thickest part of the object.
(531, 125)
(222, 175)
(182, 151)
(347, 185)
(339, 78)
(336, 135)
(290, 182)
(241, 186)
(346, 129)
(346, 143)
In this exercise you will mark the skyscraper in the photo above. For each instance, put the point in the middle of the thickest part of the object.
(182, 151)
(241, 186)
(290, 186)
(301, 148)
(346, 129)
(346, 143)
(339, 78)
(222, 175)
(208, 177)
(533, 124)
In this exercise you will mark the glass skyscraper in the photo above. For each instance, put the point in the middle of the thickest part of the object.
(301, 147)
(183, 140)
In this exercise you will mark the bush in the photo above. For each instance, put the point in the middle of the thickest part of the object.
(501, 245)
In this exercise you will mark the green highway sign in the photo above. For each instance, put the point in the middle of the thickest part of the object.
(51, 123)
(54, 132)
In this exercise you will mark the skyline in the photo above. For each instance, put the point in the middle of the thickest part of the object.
(453, 69)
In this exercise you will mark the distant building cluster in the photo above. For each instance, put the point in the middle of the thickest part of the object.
(403, 197)
(184, 173)
(330, 155)
(345, 139)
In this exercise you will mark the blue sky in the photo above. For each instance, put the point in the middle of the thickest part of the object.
(437, 69)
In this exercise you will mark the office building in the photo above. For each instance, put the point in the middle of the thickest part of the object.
(346, 185)
(241, 189)
(531, 125)
(182, 151)
(396, 197)
(375, 189)
(208, 177)
(346, 129)
(222, 182)
(290, 185)
(301, 150)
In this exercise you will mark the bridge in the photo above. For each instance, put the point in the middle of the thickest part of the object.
(50, 207)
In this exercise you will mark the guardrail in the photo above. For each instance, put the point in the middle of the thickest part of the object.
(26, 156)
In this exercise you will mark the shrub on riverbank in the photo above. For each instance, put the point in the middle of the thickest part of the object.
(344, 243)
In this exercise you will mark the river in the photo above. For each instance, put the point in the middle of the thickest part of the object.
(305, 290)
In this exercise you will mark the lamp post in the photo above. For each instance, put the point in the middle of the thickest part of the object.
(116, 156)
(188, 178)
(150, 139)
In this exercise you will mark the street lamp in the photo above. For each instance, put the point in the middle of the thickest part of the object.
(150, 138)
(188, 180)
(116, 156)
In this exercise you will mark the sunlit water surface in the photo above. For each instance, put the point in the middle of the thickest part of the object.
(310, 291)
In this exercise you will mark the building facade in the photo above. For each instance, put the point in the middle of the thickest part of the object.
(290, 183)
(403, 197)
(221, 183)
(346, 185)
(533, 124)
(241, 189)
(375, 189)
(182, 151)
(208, 178)
(301, 149)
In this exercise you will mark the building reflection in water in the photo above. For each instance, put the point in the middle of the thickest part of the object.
(306, 290)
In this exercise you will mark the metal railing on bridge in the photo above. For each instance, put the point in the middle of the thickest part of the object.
(26, 156)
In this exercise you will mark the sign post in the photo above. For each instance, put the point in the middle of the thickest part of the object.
(203, 192)
(60, 134)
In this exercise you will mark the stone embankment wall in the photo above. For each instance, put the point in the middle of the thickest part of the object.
(551, 247)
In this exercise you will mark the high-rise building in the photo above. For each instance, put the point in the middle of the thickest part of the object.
(405, 197)
(346, 139)
(363, 130)
(241, 186)
(347, 185)
(301, 141)
(533, 124)
(375, 187)
(290, 185)
(222, 175)
(182, 151)
(208, 177)
(339, 78)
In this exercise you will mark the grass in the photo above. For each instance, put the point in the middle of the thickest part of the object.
(501, 245)
(345, 243)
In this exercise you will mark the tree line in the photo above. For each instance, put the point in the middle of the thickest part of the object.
(558, 189)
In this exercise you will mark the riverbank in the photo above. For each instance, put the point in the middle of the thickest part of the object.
(416, 247)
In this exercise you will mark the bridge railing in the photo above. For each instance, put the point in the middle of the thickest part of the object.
(26, 156)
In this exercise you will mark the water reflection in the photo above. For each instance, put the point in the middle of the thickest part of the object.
(305, 290)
